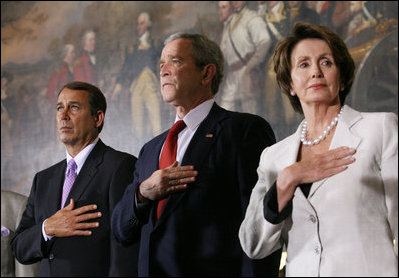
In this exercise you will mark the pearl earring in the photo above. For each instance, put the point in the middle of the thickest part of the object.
(292, 93)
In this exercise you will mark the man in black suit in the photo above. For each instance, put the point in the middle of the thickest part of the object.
(73, 238)
(207, 188)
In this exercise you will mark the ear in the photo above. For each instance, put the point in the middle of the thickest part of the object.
(98, 118)
(208, 72)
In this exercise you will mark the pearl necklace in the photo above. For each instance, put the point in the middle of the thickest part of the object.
(323, 135)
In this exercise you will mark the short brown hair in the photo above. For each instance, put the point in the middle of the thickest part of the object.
(304, 30)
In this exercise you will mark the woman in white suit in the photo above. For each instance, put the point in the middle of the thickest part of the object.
(329, 192)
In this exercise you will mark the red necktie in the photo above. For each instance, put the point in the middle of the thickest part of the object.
(168, 155)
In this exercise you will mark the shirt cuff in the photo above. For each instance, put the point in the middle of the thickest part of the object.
(270, 207)
(45, 236)
(139, 206)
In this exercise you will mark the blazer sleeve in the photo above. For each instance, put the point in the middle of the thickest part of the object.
(20, 269)
(257, 136)
(126, 222)
(28, 244)
(121, 178)
(258, 237)
(389, 172)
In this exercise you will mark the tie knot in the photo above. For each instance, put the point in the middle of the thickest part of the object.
(177, 127)
(71, 165)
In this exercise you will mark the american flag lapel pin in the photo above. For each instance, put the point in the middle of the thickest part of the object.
(209, 135)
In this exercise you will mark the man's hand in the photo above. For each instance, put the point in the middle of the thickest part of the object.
(166, 181)
(68, 221)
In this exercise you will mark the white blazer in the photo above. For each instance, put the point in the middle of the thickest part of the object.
(348, 225)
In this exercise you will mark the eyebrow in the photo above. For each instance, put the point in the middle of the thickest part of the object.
(308, 57)
(69, 102)
(172, 57)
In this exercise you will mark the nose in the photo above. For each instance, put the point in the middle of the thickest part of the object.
(164, 71)
(317, 72)
(64, 115)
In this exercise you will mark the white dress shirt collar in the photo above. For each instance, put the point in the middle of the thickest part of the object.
(197, 115)
(81, 157)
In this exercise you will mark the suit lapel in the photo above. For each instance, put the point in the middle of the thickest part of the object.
(89, 170)
(343, 137)
(198, 149)
(55, 189)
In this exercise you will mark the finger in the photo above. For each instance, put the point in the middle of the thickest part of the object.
(84, 209)
(181, 168)
(343, 152)
(345, 161)
(82, 226)
(70, 205)
(87, 216)
(174, 164)
(176, 188)
(182, 174)
(181, 181)
(81, 233)
(333, 171)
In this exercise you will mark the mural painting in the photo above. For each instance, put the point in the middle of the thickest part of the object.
(116, 46)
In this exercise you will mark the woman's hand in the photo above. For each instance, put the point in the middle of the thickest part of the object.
(313, 168)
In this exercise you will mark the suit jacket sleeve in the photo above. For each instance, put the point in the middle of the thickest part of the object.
(389, 172)
(125, 222)
(28, 244)
(122, 261)
(256, 138)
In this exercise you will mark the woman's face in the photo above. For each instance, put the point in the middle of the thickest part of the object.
(315, 76)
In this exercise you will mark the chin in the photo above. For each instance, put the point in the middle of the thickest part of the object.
(167, 97)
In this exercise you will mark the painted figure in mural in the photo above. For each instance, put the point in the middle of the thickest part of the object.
(244, 45)
(278, 109)
(86, 66)
(299, 11)
(63, 75)
(12, 206)
(66, 229)
(139, 78)
(225, 11)
(7, 121)
(316, 178)
(186, 209)
(325, 10)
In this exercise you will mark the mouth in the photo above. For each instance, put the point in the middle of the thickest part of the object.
(317, 86)
(167, 84)
(65, 128)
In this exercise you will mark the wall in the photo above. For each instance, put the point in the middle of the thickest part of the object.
(33, 35)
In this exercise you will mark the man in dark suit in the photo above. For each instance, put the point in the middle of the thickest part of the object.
(72, 237)
(207, 188)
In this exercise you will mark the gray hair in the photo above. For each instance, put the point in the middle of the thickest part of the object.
(204, 52)
(147, 18)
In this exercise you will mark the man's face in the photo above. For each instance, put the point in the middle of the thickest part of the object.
(225, 10)
(237, 4)
(75, 123)
(70, 56)
(90, 42)
(180, 77)
(141, 25)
